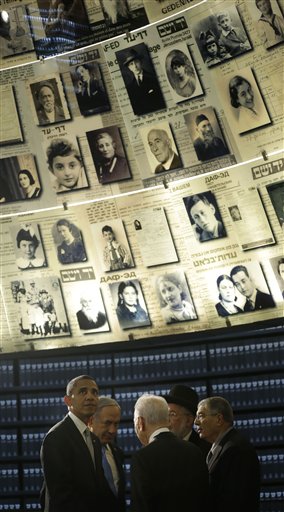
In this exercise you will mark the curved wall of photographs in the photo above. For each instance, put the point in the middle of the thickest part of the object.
(141, 175)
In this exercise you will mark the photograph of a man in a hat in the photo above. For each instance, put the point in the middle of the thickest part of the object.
(140, 80)
(182, 401)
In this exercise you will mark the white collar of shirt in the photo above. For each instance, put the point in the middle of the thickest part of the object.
(219, 439)
(157, 432)
(168, 163)
(186, 438)
(81, 426)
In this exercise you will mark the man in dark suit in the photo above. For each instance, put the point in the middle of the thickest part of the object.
(104, 425)
(89, 317)
(71, 457)
(144, 89)
(255, 299)
(167, 474)
(182, 401)
(232, 461)
(160, 145)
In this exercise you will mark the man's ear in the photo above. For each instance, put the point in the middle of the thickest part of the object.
(141, 424)
(68, 401)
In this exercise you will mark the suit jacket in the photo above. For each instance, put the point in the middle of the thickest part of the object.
(169, 475)
(74, 484)
(235, 476)
(203, 445)
(119, 172)
(118, 456)
(43, 119)
(174, 165)
(262, 301)
(147, 97)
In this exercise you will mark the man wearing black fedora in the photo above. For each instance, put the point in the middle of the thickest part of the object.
(182, 401)
(143, 87)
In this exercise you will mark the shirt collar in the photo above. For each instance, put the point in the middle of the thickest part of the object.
(81, 426)
(219, 439)
(157, 432)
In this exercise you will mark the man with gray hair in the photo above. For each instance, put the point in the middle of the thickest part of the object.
(104, 424)
(160, 145)
(167, 472)
(233, 465)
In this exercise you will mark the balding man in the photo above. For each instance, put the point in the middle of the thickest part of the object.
(160, 145)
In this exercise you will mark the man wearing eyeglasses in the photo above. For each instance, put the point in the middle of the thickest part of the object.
(232, 462)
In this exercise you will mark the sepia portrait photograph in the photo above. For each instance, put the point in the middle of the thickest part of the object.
(89, 87)
(160, 148)
(69, 242)
(15, 32)
(140, 79)
(277, 264)
(276, 194)
(268, 21)
(65, 164)
(130, 307)
(48, 101)
(106, 146)
(40, 307)
(205, 217)
(19, 179)
(174, 297)
(243, 102)
(221, 36)
(111, 245)
(181, 74)
(28, 246)
(206, 135)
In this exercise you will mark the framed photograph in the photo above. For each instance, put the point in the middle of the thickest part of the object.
(174, 297)
(29, 249)
(90, 89)
(140, 79)
(48, 101)
(277, 265)
(111, 245)
(181, 73)
(65, 164)
(106, 146)
(15, 32)
(129, 304)
(40, 308)
(250, 282)
(244, 106)
(276, 194)
(229, 301)
(268, 21)
(160, 149)
(69, 242)
(205, 217)
(221, 36)
(19, 179)
(206, 135)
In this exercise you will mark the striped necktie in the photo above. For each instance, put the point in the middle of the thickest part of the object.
(107, 470)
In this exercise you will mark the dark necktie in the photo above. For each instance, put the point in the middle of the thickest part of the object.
(250, 305)
(209, 457)
(113, 253)
(89, 443)
(107, 470)
(139, 80)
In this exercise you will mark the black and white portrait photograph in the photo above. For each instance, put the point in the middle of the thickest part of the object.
(160, 148)
(181, 74)
(90, 90)
(84, 299)
(174, 297)
(28, 245)
(230, 300)
(277, 264)
(49, 103)
(243, 102)
(221, 36)
(15, 33)
(65, 164)
(111, 245)
(130, 307)
(40, 308)
(206, 135)
(276, 194)
(69, 242)
(140, 79)
(205, 217)
(268, 21)
(19, 179)
(106, 146)
(115, 11)
(235, 213)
